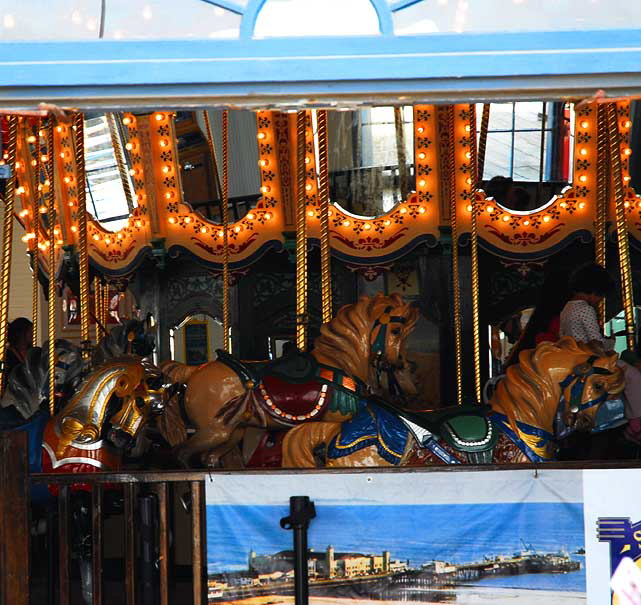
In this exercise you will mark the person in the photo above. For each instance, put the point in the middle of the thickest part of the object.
(589, 285)
(500, 188)
(544, 324)
(19, 335)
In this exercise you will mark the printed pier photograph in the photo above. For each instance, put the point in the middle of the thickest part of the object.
(383, 550)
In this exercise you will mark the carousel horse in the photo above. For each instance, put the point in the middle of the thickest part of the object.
(553, 390)
(358, 352)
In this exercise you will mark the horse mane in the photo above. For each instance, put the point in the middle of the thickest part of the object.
(344, 341)
(529, 392)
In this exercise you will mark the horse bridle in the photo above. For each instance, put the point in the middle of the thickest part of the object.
(577, 379)
(377, 347)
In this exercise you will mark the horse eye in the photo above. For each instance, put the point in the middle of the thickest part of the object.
(599, 386)
(396, 331)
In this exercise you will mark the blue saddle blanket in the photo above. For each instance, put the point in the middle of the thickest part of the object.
(372, 425)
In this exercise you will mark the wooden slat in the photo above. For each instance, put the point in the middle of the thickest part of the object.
(163, 539)
(63, 545)
(96, 544)
(130, 543)
(14, 517)
(197, 542)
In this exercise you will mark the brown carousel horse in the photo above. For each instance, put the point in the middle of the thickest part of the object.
(554, 389)
(358, 352)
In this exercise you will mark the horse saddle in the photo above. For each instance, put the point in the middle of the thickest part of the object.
(466, 429)
(297, 367)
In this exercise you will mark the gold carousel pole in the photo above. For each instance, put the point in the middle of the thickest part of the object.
(83, 261)
(105, 306)
(120, 160)
(323, 194)
(51, 218)
(225, 198)
(301, 234)
(485, 123)
(35, 225)
(474, 252)
(601, 195)
(97, 300)
(622, 232)
(456, 287)
(7, 237)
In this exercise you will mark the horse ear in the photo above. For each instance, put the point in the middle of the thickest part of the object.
(610, 361)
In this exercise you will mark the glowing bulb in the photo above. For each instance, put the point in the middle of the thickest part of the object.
(583, 178)
(468, 154)
(307, 160)
(506, 218)
(172, 219)
(310, 213)
(169, 195)
(387, 222)
(43, 158)
(403, 210)
(346, 223)
(626, 179)
(265, 189)
(420, 129)
(58, 129)
(166, 169)
(626, 204)
(583, 151)
(467, 128)
(23, 213)
(627, 124)
(164, 143)
(203, 229)
(188, 219)
(367, 226)
(66, 180)
(469, 208)
(74, 228)
(421, 183)
(490, 209)
(132, 172)
(250, 216)
(126, 121)
(31, 139)
(546, 219)
(70, 203)
(308, 187)
(582, 205)
(584, 124)
(43, 210)
(159, 116)
(563, 205)
(261, 135)
(138, 224)
(17, 165)
(421, 210)
(264, 163)
(107, 240)
(421, 156)
(468, 180)
(627, 151)
(59, 242)
(526, 222)
(237, 229)
(96, 236)
(267, 215)
(221, 234)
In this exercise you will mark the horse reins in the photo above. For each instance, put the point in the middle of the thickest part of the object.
(377, 347)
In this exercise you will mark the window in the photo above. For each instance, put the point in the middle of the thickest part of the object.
(531, 144)
(106, 198)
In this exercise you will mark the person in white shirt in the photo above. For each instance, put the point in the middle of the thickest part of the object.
(579, 319)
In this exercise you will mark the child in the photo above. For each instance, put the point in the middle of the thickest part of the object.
(589, 286)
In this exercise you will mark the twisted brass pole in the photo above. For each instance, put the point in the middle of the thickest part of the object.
(121, 162)
(225, 196)
(601, 195)
(105, 306)
(485, 123)
(83, 260)
(51, 218)
(7, 239)
(323, 197)
(301, 234)
(35, 225)
(622, 232)
(474, 252)
(97, 299)
(456, 286)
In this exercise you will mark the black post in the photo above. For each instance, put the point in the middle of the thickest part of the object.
(301, 512)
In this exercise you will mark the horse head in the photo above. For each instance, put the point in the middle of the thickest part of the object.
(367, 341)
(134, 337)
(555, 389)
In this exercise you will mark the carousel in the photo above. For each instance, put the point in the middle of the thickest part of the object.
(263, 286)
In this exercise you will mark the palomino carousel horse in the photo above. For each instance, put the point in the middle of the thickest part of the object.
(553, 390)
(358, 352)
